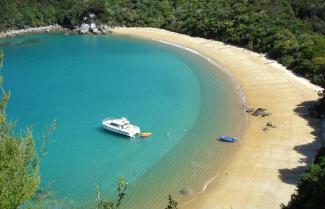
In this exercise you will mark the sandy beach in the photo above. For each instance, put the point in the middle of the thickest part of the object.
(263, 171)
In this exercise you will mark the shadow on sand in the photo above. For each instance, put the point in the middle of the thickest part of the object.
(309, 151)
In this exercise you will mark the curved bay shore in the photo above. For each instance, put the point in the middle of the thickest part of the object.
(41, 29)
(263, 172)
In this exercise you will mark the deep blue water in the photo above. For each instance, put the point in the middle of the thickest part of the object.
(79, 80)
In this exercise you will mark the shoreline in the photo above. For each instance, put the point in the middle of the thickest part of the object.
(242, 97)
(242, 101)
(263, 171)
(49, 28)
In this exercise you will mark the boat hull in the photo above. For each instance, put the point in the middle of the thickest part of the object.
(131, 131)
(129, 134)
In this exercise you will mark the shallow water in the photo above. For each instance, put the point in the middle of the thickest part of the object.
(79, 80)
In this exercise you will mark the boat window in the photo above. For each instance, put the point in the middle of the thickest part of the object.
(114, 124)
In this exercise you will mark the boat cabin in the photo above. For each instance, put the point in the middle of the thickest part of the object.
(120, 123)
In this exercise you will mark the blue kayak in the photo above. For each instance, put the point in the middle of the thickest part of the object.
(228, 139)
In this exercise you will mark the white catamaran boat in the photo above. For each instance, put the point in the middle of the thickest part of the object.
(121, 126)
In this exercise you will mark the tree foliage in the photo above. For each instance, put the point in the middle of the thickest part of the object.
(172, 204)
(311, 188)
(110, 204)
(312, 11)
(19, 164)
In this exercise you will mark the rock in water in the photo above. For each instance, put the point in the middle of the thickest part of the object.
(84, 28)
(186, 191)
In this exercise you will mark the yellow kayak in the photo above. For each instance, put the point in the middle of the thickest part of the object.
(145, 134)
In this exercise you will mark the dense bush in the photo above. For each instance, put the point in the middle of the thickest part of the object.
(312, 11)
(311, 188)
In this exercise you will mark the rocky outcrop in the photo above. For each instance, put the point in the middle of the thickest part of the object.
(266, 129)
(84, 28)
(270, 124)
(261, 112)
(89, 26)
(92, 28)
(96, 31)
(105, 28)
(48, 28)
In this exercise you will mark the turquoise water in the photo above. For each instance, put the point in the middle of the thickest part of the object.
(79, 80)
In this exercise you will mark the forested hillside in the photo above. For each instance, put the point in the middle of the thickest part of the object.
(312, 11)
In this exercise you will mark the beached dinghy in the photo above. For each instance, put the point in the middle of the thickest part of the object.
(121, 126)
(228, 139)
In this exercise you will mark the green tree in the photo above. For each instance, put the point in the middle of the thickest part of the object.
(19, 163)
(311, 188)
(110, 204)
(172, 204)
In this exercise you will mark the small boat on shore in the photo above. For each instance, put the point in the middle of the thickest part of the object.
(121, 126)
(228, 139)
(145, 134)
